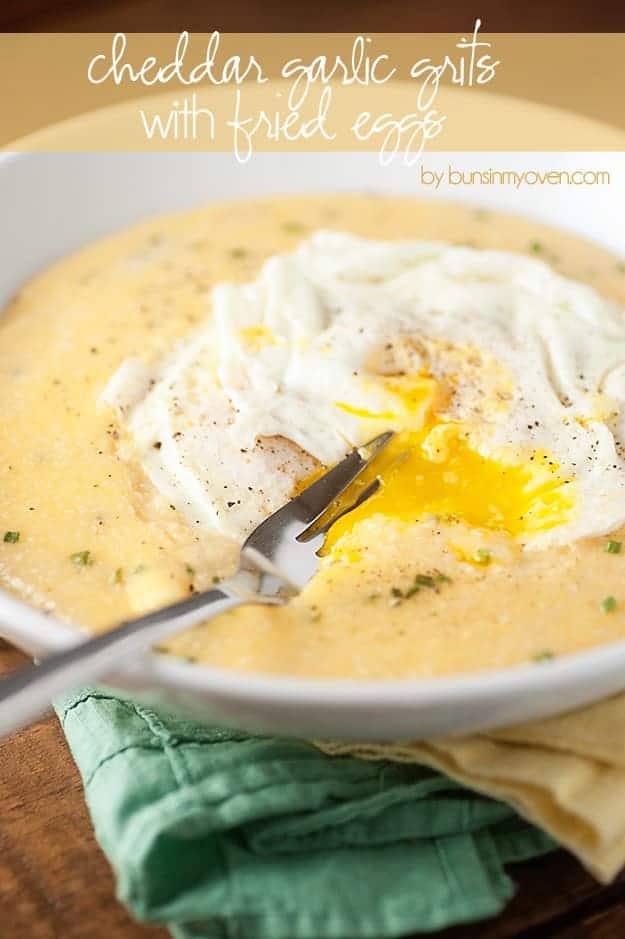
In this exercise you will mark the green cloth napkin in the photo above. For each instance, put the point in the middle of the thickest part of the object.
(218, 833)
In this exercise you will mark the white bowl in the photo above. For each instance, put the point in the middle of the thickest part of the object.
(54, 202)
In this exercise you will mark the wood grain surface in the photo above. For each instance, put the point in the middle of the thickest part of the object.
(54, 881)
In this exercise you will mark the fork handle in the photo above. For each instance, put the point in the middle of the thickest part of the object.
(28, 692)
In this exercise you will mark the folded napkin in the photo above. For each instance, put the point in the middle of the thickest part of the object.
(565, 774)
(221, 834)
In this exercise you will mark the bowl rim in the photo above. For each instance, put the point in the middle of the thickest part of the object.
(36, 629)
(54, 635)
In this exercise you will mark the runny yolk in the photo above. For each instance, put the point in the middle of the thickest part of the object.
(431, 468)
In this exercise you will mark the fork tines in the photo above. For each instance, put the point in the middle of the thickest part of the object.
(316, 498)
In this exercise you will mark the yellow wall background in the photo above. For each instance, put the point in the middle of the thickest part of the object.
(43, 76)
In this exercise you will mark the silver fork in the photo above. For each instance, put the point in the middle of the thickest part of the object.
(280, 556)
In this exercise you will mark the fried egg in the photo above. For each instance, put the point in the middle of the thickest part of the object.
(504, 382)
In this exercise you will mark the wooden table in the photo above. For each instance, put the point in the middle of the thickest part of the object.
(56, 884)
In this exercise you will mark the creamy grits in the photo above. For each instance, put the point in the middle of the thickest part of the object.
(130, 392)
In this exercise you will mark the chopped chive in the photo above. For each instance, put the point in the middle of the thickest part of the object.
(117, 577)
(613, 547)
(608, 604)
(190, 570)
(536, 247)
(216, 579)
(545, 655)
(11, 537)
(238, 253)
(82, 558)
(293, 228)
(482, 556)
(428, 581)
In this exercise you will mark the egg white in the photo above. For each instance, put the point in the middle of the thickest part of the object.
(290, 371)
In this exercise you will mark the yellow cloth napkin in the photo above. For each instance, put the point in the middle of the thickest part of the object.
(565, 774)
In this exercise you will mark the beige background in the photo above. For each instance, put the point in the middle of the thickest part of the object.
(44, 75)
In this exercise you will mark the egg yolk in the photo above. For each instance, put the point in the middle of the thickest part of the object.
(431, 468)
